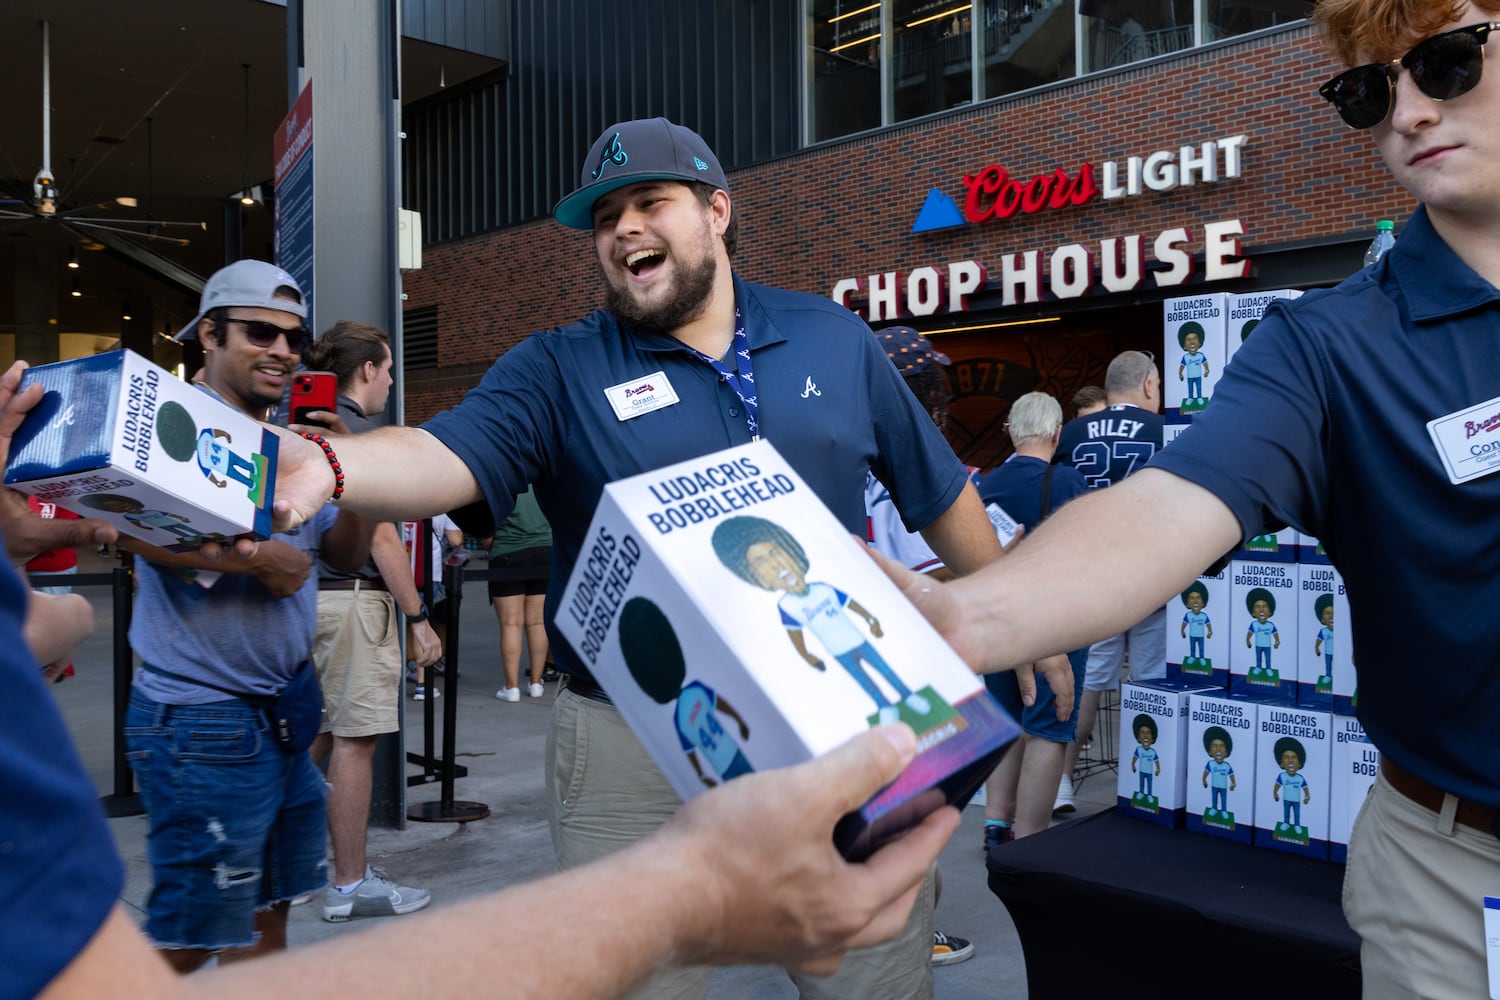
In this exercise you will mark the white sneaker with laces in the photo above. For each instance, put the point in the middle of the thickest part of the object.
(509, 694)
(536, 690)
(376, 896)
(1064, 803)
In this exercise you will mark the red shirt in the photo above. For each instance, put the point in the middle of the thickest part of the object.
(53, 560)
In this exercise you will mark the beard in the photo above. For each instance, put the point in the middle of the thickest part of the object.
(688, 297)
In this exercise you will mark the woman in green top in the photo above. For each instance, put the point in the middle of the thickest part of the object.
(523, 542)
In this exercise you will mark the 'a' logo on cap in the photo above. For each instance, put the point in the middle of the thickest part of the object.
(699, 164)
(612, 153)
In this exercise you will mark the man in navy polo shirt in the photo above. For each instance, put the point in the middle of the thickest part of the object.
(1104, 448)
(684, 360)
(1367, 415)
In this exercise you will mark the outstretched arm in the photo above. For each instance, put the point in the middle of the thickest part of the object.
(1057, 590)
(390, 474)
(695, 892)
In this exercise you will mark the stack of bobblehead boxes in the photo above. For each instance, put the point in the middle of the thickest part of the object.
(1259, 744)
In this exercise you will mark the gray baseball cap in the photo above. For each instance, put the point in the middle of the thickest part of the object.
(652, 149)
(250, 283)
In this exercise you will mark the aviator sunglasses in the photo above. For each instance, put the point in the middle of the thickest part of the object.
(263, 334)
(1443, 67)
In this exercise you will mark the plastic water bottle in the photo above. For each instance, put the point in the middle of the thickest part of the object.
(1385, 238)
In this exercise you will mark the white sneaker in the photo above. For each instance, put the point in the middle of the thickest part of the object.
(889, 714)
(1064, 803)
(535, 691)
(377, 896)
(918, 704)
(509, 694)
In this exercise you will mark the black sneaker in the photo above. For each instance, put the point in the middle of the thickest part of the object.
(950, 950)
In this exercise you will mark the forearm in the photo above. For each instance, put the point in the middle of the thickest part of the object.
(229, 561)
(631, 913)
(962, 536)
(390, 557)
(56, 624)
(401, 474)
(1093, 569)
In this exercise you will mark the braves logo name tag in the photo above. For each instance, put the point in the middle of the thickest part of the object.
(641, 395)
(1468, 441)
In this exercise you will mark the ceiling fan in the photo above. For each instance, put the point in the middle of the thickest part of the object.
(46, 206)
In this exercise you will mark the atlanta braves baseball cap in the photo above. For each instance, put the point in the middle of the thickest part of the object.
(249, 283)
(651, 149)
(908, 350)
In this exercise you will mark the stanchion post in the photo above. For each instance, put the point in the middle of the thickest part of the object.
(124, 801)
(445, 809)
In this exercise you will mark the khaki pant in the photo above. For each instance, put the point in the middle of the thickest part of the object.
(604, 793)
(357, 651)
(1413, 891)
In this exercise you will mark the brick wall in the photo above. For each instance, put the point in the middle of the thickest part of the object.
(846, 210)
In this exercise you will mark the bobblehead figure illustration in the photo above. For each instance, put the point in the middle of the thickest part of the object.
(654, 657)
(1291, 789)
(142, 516)
(1196, 627)
(181, 439)
(1323, 643)
(1262, 637)
(1145, 762)
(1193, 367)
(765, 555)
(1218, 777)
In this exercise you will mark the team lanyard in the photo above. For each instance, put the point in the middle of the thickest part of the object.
(741, 378)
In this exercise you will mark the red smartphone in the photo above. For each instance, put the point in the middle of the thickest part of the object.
(313, 391)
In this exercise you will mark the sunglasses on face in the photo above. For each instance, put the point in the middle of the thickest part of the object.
(262, 334)
(1443, 67)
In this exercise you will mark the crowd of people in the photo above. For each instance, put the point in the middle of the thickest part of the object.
(241, 818)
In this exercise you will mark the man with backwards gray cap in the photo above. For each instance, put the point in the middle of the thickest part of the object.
(237, 819)
(708, 361)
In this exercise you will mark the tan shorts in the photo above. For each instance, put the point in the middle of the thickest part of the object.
(1413, 890)
(358, 654)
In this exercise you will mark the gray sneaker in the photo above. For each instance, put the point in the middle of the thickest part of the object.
(377, 896)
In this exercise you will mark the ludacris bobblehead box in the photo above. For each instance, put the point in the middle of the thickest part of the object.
(117, 438)
(739, 627)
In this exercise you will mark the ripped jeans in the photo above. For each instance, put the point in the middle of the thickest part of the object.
(236, 823)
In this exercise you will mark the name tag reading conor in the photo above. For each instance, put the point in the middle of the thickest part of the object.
(641, 395)
(1468, 441)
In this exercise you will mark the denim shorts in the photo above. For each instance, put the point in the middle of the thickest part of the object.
(1040, 720)
(236, 823)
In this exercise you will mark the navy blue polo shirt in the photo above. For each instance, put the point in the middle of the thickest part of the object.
(1320, 423)
(830, 401)
(59, 873)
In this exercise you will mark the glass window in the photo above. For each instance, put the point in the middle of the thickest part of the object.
(934, 67)
(1117, 32)
(844, 67)
(1025, 44)
(1224, 19)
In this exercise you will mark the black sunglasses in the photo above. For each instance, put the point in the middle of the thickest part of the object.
(1443, 67)
(263, 334)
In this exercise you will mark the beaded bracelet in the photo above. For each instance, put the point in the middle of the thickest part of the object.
(333, 460)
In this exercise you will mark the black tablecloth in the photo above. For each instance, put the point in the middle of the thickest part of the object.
(1108, 906)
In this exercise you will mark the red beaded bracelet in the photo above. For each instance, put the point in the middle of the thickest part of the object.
(333, 460)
